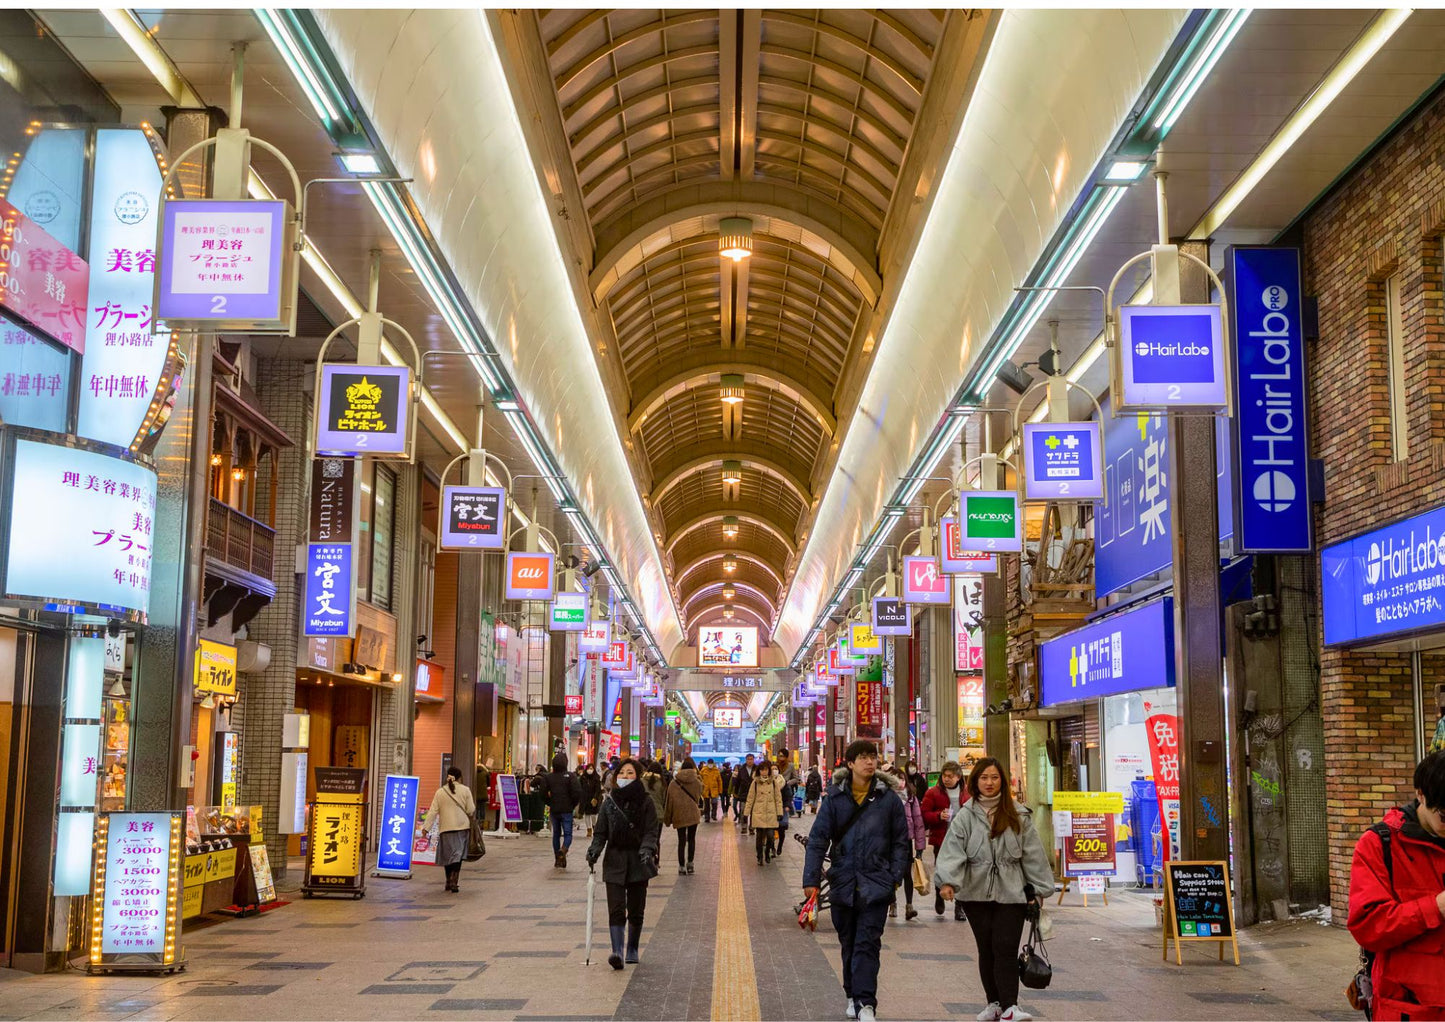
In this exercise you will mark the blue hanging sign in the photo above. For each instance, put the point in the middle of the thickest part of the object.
(398, 822)
(1171, 356)
(1386, 582)
(1271, 438)
(1124, 652)
(330, 589)
(1062, 461)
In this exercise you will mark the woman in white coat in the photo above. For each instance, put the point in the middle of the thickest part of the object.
(454, 806)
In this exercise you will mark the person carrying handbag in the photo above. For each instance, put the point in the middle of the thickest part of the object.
(454, 808)
(918, 835)
(993, 861)
(629, 831)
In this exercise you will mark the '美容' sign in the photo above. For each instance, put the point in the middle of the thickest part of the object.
(136, 891)
(42, 281)
(1271, 435)
(1062, 461)
(472, 518)
(363, 410)
(225, 265)
(1171, 356)
(991, 521)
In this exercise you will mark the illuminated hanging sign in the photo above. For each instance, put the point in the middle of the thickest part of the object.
(923, 582)
(41, 281)
(733, 646)
(572, 704)
(330, 607)
(224, 266)
(727, 716)
(862, 638)
(136, 890)
(1062, 461)
(569, 612)
(595, 638)
(530, 576)
(124, 360)
(891, 616)
(837, 665)
(846, 653)
(967, 623)
(1271, 425)
(1171, 356)
(991, 521)
(80, 529)
(363, 410)
(398, 823)
(215, 668)
(472, 518)
(618, 656)
(954, 559)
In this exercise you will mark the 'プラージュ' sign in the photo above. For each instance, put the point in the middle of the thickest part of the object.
(223, 265)
(363, 410)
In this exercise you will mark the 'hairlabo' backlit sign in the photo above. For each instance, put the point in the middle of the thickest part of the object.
(1271, 438)
(1171, 356)
(1387, 582)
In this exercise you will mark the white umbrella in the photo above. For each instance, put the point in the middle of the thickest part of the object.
(591, 892)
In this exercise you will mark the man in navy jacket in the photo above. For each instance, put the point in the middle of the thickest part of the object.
(864, 823)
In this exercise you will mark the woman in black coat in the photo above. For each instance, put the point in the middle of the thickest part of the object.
(591, 782)
(630, 831)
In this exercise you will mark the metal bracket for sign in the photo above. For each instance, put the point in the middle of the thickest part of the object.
(1066, 384)
(1111, 327)
(480, 456)
(413, 390)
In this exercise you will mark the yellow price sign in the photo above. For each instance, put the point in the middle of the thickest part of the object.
(862, 640)
(1088, 802)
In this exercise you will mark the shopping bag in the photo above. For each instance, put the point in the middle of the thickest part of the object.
(808, 914)
(920, 876)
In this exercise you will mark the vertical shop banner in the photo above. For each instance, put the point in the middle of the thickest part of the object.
(398, 821)
(330, 602)
(363, 410)
(870, 714)
(124, 360)
(923, 582)
(224, 265)
(1133, 531)
(510, 797)
(954, 559)
(1062, 461)
(593, 678)
(967, 623)
(137, 885)
(1162, 725)
(1171, 356)
(970, 712)
(472, 518)
(334, 505)
(80, 529)
(41, 281)
(336, 844)
(1089, 846)
(1271, 425)
(891, 616)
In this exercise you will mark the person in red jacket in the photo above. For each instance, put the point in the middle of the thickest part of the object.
(939, 805)
(1397, 901)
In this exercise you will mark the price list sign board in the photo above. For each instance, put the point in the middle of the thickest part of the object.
(1198, 905)
(136, 892)
(511, 798)
(1089, 848)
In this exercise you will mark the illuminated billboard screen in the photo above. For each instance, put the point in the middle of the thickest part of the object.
(733, 646)
(727, 716)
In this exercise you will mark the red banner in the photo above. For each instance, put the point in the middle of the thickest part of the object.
(869, 707)
(1163, 731)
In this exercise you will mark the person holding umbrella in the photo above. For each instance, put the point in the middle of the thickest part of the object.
(629, 831)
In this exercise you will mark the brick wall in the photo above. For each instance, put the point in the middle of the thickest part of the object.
(1384, 219)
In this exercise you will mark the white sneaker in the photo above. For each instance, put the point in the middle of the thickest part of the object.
(990, 1014)
(852, 1011)
(1016, 1014)
(866, 1014)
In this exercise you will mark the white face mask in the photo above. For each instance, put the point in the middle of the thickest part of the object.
(623, 782)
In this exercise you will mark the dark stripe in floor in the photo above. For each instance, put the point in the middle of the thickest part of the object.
(674, 979)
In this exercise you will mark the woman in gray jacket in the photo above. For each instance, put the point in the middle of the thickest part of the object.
(993, 861)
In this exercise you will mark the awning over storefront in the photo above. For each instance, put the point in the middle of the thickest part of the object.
(1122, 652)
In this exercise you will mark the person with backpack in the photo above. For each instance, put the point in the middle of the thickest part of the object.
(994, 863)
(813, 789)
(862, 827)
(452, 808)
(1397, 905)
(630, 832)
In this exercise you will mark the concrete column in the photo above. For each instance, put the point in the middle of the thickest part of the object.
(995, 666)
(902, 687)
(162, 693)
(1204, 796)
(556, 687)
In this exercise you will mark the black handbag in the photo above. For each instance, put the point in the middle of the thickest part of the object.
(476, 844)
(1035, 972)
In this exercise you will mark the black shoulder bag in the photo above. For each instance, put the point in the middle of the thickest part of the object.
(1035, 972)
(837, 839)
(476, 844)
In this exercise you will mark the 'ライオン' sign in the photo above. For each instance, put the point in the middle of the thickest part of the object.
(363, 410)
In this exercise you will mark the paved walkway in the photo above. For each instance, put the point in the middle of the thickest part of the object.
(721, 944)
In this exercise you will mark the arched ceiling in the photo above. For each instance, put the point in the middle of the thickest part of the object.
(802, 122)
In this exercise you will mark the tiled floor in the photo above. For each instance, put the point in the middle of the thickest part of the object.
(511, 946)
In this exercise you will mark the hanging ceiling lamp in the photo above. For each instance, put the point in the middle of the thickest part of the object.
(729, 592)
(730, 563)
(732, 472)
(732, 388)
(735, 237)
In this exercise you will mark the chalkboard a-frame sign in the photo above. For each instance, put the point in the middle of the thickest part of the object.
(1198, 905)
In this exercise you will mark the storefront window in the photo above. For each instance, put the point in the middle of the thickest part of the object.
(383, 528)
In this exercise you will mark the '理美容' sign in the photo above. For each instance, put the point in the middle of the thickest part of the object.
(225, 266)
(363, 410)
(472, 518)
(1271, 437)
